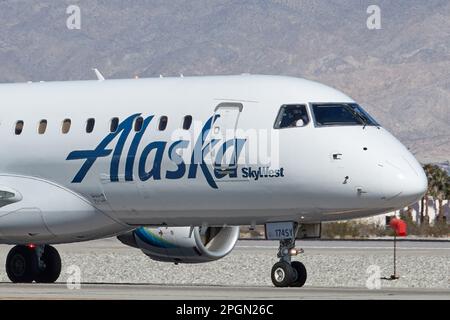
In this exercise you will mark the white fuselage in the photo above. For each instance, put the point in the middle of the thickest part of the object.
(72, 187)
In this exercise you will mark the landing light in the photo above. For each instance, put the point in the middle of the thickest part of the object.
(295, 251)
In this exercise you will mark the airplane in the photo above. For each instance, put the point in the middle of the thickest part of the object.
(174, 167)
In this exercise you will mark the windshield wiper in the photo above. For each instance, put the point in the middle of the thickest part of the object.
(363, 120)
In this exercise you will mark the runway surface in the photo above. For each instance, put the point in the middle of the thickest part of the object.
(171, 292)
(336, 270)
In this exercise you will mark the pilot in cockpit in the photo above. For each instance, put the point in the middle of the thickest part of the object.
(294, 116)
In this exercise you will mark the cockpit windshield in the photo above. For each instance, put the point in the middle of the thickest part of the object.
(341, 114)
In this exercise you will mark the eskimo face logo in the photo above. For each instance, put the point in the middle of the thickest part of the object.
(200, 149)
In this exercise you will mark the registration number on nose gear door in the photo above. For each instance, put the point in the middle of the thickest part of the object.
(279, 230)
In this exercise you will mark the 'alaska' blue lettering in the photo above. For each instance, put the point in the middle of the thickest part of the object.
(133, 150)
(92, 155)
(222, 170)
(201, 149)
(177, 159)
(155, 172)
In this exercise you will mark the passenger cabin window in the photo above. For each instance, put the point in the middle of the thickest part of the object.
(187, 122)
(66, 126)
(163, 123)
(114, 124)
(90, 124)
(42, 126)
(292, 116)
(341, 114)
(138, 124)
(19, 127)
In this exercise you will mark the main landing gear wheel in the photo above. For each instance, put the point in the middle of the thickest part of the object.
(22, 264)
(26, 264)
(50, 266)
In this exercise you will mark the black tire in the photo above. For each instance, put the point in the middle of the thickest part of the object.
(52, 266)
(282, 274)
(300, 274)
(22, 264)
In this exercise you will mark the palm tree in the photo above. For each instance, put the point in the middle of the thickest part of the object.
(442, 191)
(422, 203)
(430, 171)
(438, 188)
(446, 197)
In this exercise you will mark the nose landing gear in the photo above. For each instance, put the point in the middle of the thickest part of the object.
(287, 273)
(26, 264)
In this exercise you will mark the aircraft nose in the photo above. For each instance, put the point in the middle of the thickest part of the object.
(407, 183)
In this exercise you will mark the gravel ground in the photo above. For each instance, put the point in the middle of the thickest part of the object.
(329, 265)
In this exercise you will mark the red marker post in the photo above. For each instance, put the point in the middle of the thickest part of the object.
(399, 227)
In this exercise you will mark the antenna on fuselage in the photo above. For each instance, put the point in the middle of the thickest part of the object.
(99, 75)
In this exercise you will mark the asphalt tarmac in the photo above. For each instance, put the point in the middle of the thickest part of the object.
(113, 271)
(175, 292)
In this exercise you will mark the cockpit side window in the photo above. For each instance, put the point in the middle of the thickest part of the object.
(292, 116)
(341, 114)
